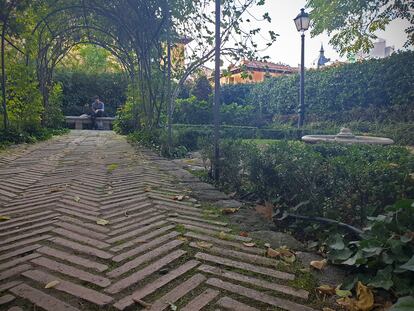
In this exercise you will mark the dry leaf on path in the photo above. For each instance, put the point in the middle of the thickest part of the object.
(143, 303)
(319, 264)
(222, 235)
(244, 234)
(204, 244)
(182, 238)
(272, 253)
(229, 210)
(173, 307)
(252, 244)
(326, 289)
(102, 222)
(76, 199)
(4, 218)
(267, 245)
(178, 198)
(52, 284)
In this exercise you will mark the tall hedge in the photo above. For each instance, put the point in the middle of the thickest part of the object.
(373, 89)
(79, 89)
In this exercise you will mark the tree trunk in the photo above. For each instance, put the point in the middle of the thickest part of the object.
(217, 94)
(3, 77)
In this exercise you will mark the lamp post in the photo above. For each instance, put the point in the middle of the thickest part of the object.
(302, 24)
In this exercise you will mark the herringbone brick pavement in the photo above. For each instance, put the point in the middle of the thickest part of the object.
(155, 253)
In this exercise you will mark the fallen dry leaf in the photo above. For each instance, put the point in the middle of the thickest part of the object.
(76, 199)
(182, 238)
(272, 253)
(229, 210)
(52, 284)
(244, 234)
(143, 303)
(178, 198)
(102, 222)
(289, 259)
(319, 264)
(252, 244)
(56, 189)
(222, 235)
(4, 218)
(204, 244)
(147, 189)
(363, 302)
(173, 307)
(326, 289)
(347, 303)
(267, 245)
(365, 297)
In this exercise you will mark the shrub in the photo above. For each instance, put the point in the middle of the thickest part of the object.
(346, 183)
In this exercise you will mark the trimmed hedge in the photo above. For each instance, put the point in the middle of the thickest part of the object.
(373, 90)
(79, 89)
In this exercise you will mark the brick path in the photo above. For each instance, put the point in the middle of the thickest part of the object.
(148, 256)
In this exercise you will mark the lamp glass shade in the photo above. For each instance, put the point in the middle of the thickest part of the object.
(302, 21)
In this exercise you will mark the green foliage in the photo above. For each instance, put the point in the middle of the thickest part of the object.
(385, 251)
(354, 23)
(192, 111)
(156, 139)
(346, 183)
(404, 304)
(202, 89)
(53, 115)
(80, 87)
(90, 59)
(14, 136)
(24, 102)
(126, 121)
(373, 90)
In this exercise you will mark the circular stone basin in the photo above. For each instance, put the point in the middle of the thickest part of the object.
(345, 136)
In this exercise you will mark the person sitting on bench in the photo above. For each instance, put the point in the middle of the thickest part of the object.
(97, 110)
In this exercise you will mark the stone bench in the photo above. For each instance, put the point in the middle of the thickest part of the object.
(104, 123)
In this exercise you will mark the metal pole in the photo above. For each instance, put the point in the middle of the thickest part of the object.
(217, 95)
(302, 84)
(169, 97)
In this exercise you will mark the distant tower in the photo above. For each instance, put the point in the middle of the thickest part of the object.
(322, 60)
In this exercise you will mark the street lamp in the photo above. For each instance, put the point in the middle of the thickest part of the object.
(302, 24)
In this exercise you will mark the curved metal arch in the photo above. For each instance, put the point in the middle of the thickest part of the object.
(71, 29)
(96, 10)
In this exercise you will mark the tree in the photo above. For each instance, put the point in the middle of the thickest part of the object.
(202, 89)
(10, 26)
(354, 22)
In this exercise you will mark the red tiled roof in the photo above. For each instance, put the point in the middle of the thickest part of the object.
(254, 64)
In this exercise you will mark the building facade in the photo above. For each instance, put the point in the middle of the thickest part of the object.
(255, 72)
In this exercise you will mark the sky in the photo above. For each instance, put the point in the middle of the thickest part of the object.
(287, 47)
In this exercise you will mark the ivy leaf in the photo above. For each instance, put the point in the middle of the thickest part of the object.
(343, 254)
(357, 260)
(409, 265)
(336, 242)
(404, 304)
(383, 279)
